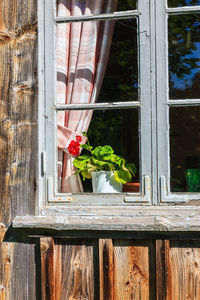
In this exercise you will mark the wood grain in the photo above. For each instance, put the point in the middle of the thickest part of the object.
(47, 268)
(106, 269)
(184, 259)
(124, 269)
(18, 142)
(137, 222)
(163, 270)
(67, 269)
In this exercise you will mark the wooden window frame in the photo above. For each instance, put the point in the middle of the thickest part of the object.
(47, 119)
(164, 103)
(153, 102)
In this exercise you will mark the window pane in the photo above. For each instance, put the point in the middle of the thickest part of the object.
(97, 65)
(184, 56)
(116, 128)
(185, 149)
(177, 3)
(83, 7)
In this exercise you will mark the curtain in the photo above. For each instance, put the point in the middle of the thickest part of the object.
(82, 55)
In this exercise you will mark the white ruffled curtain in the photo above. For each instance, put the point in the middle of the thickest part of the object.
(82, 55)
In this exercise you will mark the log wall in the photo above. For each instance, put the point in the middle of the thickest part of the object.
(59, 268)
(18, 142)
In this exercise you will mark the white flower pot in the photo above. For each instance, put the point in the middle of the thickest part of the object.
(104, 182)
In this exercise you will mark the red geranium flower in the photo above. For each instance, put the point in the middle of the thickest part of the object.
(74, 148)
(79, 138)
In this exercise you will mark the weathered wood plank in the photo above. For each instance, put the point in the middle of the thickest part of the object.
(47, 268)
(106, 269)
(131, 270)
(112, 223)
(124, 269)
(163, 271)
(67, 269)
(184, 258)
(77, 264)
(18, 111)
(125, 210)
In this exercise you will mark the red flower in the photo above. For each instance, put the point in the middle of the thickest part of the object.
(79, 138)
(74, 148)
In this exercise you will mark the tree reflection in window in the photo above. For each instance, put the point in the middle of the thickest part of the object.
(184, 56)
(178, 3)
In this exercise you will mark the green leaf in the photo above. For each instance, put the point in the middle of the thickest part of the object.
(122, 176)
(102, 151)
(132, 168)
(84, 133)
(81, 162)
(85, 174)
(87, 147)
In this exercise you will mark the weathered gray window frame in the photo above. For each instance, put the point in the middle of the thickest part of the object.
(153, 104)
(47, 33)
(164, 103)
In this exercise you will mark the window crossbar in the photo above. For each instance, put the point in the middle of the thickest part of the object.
(111, 16)
(98, 106)
(182, 10)
(185, 102)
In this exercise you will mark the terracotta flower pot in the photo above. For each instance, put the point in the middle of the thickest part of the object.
(131, 187)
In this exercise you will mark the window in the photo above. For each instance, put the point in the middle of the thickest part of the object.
(138, 95)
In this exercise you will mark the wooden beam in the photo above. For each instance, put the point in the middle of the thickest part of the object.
(163, 272)
(172, 222)
(106, 268)
(47, 269)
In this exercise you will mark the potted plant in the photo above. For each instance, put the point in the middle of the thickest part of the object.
(107, 170)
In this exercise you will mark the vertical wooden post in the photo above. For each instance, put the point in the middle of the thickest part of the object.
(163, 273)
(106, 277)
(47, 268)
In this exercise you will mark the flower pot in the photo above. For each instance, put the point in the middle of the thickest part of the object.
(131, 187)
(104, 182)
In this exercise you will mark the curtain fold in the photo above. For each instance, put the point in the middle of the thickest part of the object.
(82, 55)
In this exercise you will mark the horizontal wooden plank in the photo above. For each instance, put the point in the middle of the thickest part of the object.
(176, 220)
(120, 210)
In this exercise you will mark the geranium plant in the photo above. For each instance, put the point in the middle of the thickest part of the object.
(101, 158)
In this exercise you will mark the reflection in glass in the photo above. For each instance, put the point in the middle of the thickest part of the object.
(83, 7)
(116, 128)
(184, 56)
(93, 60)
(178, 3)
(185, 149)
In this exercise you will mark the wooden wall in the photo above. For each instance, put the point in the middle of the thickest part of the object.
(18, 127)
(105, 269)
(120, 269)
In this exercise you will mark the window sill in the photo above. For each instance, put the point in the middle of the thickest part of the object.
(145, 219)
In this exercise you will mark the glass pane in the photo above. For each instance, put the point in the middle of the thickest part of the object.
(185, 149)
(115, 128)
(184, 56)
(97, 65)
(178, 3)
(84, 7)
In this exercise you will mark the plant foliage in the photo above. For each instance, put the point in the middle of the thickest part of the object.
(103, 158)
